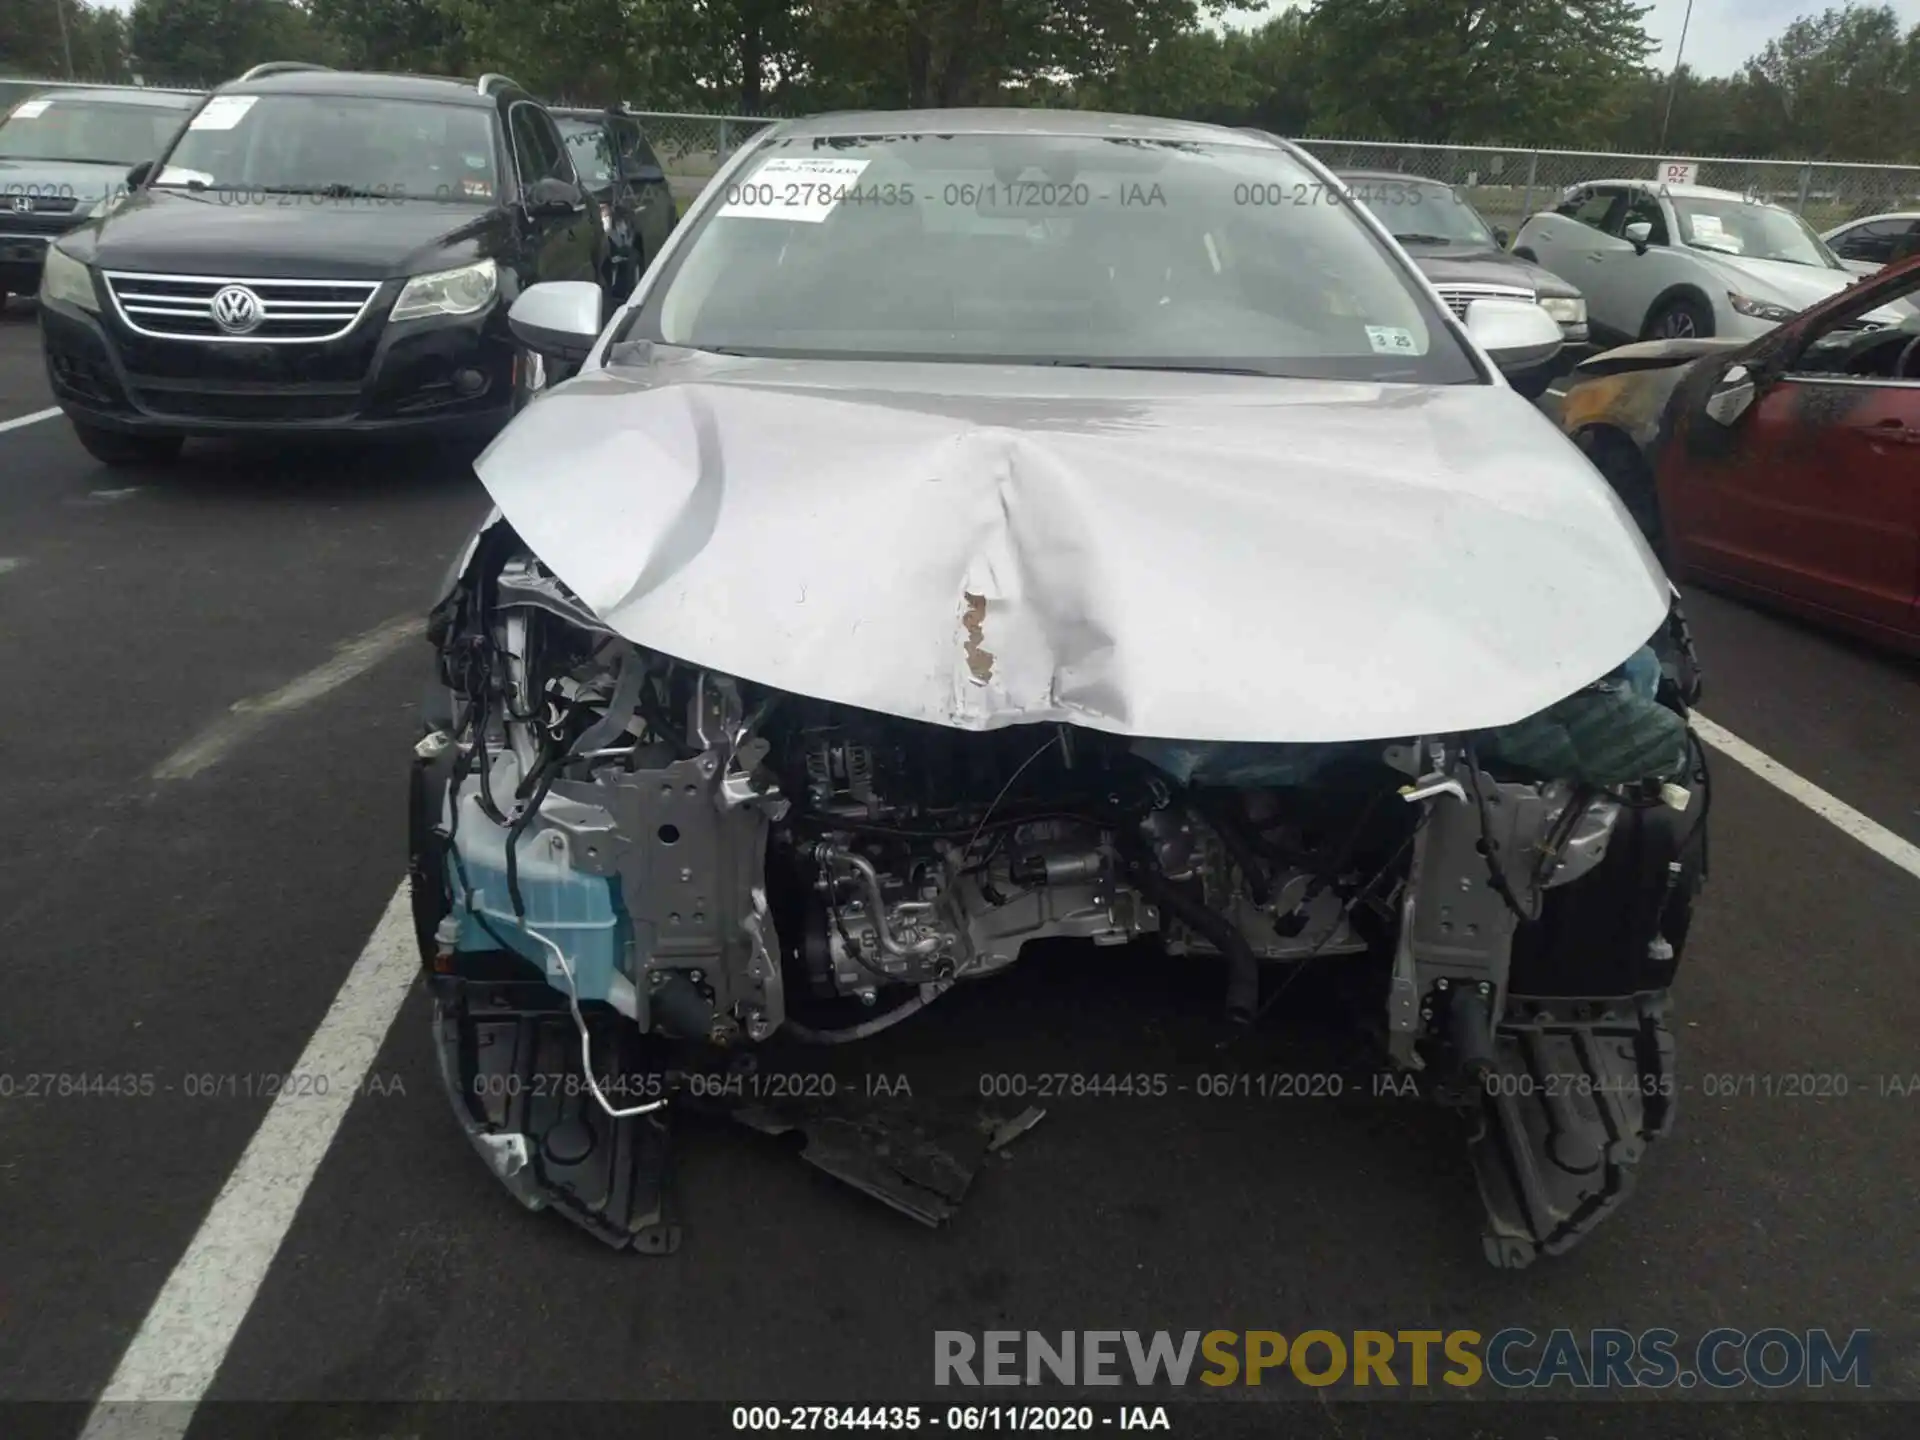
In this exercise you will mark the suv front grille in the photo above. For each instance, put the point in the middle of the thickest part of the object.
(181, 307)
(1459, 297)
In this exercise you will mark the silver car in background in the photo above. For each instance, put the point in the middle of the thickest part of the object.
(988, 527)
(1659, 261)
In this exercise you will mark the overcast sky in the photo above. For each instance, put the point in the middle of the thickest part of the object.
(1723, 36)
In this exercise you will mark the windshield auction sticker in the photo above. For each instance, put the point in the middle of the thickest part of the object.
(794, 188)
(223, 112)
(1392, 340)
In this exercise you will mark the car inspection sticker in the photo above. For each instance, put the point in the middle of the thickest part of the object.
(793, 188)
(31, 109)
(223, 112)
(1392, 340)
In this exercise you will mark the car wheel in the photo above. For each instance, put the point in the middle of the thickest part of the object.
(1681, 318)
(115, 447)
(1617, 458)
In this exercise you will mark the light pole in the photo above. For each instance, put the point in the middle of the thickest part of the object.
(1674, 83)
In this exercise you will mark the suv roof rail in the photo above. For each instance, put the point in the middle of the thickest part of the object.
(280, 67)
(493, 78)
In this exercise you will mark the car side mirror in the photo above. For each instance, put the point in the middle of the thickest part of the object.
(137, 176)
(1517, 334)
(1639, 235)
(641, 173)
(557, 319)
(549, 197)
(1502, 236)
(1732, 396)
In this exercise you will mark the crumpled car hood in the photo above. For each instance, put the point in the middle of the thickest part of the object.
(1150, 554)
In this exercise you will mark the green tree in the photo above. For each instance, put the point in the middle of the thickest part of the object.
(211, 41)
(1198, 75)
(1841, 84)
(99, 38)
(1542, 71)
(30, 38)
(416, 35)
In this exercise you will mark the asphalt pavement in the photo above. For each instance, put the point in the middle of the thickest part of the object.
(194, 931)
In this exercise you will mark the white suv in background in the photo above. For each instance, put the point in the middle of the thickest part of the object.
(1677, 261)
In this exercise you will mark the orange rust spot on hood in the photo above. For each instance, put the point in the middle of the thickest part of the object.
(979, 661)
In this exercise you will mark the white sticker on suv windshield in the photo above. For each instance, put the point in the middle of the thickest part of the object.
(30, 109)
(794, 188)
(1392, 340)
(1707, 225)
(223, 112)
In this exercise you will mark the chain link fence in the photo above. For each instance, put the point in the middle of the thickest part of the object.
(1506, 184)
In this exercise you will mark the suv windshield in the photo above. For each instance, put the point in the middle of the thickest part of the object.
(337, 145)
(101, 131)
(1422, 214)
(1751, 228)
(591, 149)
(1106, 251)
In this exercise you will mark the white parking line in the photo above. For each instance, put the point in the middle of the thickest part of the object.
(35, 418)
(180, 1346)
(1870, 833)
(356, 657)
(178, 1349)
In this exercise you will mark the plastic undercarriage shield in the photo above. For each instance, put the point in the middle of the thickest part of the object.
(1577, 1092)
(510, 1061)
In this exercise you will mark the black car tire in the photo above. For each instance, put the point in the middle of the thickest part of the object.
(1682, 309)
(1615, 457)
(116, 447)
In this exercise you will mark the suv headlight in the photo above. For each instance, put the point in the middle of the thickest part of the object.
(1567, 309)
(64, 278)
(448, 292)
(1759, 309)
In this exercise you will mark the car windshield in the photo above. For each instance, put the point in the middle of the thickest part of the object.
(100, 131)
(1422, 214)
(1752, 229)
(592, 151)
(336, 145)
(1108, 251)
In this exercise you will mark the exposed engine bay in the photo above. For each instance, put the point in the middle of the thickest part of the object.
(616, 851)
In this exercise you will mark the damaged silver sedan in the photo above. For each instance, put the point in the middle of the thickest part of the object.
(985, 527)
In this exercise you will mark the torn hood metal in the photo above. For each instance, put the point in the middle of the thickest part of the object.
(1205, 557)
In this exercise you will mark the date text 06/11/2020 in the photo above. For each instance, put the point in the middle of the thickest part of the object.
(960, 1418)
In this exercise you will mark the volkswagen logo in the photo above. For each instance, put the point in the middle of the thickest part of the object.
(237, 310)
(23, 204)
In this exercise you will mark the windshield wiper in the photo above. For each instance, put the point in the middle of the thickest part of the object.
(1155, 365)
(1418, 239)
(336, 191)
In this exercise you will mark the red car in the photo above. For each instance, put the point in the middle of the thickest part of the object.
(1785, 469)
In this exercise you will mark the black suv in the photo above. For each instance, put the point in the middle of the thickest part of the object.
(317, 251)
(625, 178)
